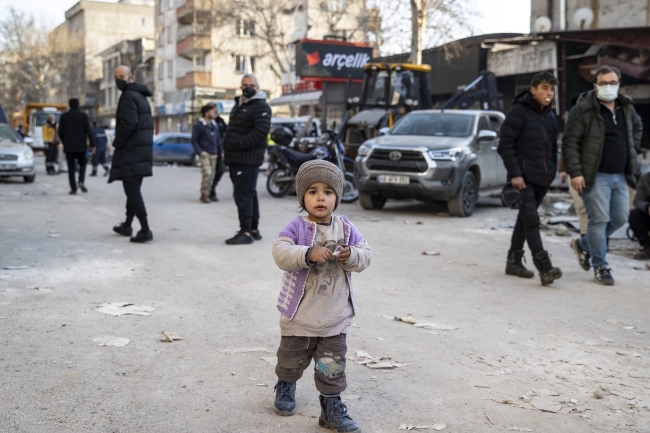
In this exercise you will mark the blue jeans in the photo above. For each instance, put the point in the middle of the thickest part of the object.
(608, 205)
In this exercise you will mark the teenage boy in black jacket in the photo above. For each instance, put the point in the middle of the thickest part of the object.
(528, 147)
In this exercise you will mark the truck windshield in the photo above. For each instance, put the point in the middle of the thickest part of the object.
(376, 87)
(435, 124)
(405, 86)
(40, 118)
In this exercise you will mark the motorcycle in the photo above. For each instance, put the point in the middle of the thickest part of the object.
(281, 180)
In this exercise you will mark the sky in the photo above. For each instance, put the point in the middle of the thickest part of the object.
(495, 16)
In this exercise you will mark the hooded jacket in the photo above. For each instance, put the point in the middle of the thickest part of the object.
(133, 143)
(245, 141)
(206, 137)
(74, 130)
(584, 137)
(528, 143)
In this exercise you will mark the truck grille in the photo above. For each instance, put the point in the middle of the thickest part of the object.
(411, 161)
(8, 157)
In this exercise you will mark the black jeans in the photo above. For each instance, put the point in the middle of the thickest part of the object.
(74, 158)
(295, 354)
(244, 179)
(527, 226)
(99, 158)
(135, 203)
(221, 169)
(640, 225)
(50, 156)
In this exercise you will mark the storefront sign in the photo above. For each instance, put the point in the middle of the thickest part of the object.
(331, 60)
(301, 87)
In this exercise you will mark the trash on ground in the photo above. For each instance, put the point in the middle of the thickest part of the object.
(362, 354)
(370, 361)
(244, 350)
(598, 395)
(436, 326)
(41, 290)
(262, 384)
(122, 308)
(271, 360)
(609, 340)
(629, 327)
(489, 419)
(430, 253)
(520, 428)
(111, 341)
(15, 268)
(379, 338)
(436, 427)
(561, 206)
(354, 325)
(413, 223)
(628, 353)
(169, 337)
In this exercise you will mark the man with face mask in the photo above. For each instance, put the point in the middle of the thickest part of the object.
(600, 143)
(245, 145)
(133, 144)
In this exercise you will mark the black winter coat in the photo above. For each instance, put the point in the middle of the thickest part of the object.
(642, 196)
(528, 143)
(75, 132)
(246, 137)
(133, 143)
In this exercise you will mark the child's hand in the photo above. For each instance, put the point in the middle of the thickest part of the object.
(320, 255)
(343, 254)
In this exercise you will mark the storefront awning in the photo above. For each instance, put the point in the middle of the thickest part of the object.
(307, 98)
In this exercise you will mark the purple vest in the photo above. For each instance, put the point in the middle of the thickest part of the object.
(303, 233)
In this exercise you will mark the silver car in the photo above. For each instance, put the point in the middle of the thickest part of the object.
(16, 157)
(433, 155)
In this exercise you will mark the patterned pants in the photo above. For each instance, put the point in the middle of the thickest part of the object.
(208, 169)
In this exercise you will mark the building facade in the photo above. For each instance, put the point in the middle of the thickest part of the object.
(588, 14)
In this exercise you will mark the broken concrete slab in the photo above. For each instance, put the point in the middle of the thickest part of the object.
(123, 308)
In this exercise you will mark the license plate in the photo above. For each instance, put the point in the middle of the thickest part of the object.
(396, 180)
(7, 166)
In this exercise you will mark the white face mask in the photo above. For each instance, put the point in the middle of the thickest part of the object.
(607, 93)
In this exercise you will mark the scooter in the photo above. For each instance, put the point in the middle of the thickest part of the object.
(282, 179)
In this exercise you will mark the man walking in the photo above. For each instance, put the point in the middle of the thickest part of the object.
(221, 166)
(51, 142)
(600, 140)
(640, 217)
(74, 131)
(206, 140)
(99, 157)
(528, 146)
(245, 146)
(133, 156)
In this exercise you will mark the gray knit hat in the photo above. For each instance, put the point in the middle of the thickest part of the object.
(318, 170)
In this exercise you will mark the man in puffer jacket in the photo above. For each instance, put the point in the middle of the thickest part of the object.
(528, 147)
(245, 145)
(133, 157)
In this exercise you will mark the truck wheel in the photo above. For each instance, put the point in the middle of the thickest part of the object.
(29, 179)
(278, 188)
(463, 204)
(371, 201)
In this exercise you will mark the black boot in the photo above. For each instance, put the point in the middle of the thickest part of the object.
(213, 196)
(643, 253)
(142, 237)
(547, 273)
(285, 398)
(123, 229)
(334, 415)
(514, 266)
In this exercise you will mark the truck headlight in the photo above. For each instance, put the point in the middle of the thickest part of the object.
(28, 155)
(447, 154)
(364, 150)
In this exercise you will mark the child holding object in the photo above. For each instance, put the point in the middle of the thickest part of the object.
(318, 252)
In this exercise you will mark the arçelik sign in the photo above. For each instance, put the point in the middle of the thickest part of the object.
(331, 60)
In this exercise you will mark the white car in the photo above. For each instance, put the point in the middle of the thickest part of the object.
(16, 157)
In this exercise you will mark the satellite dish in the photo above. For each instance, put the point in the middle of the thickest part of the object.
(542, 25)
(583, 18)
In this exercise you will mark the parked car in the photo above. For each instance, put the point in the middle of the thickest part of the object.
(16, 157)
(433, 155)
(174, 147)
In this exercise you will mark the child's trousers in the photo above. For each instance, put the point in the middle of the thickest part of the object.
(295, 353)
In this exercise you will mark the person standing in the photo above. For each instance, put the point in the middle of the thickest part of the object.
(640, 217)
(600, 144)
(20, 131)
(528, 147)
(75, 133)
(99, 157)
(206, 140)
(221, 166)
(51, 142)
(245, 146)
(133, 156)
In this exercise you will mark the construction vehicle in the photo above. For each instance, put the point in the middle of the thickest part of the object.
(480, 94)
(34, 116)
(388, 92)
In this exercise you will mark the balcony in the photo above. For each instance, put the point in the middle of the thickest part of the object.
(192, 40)
(195, 79)
(187, 11)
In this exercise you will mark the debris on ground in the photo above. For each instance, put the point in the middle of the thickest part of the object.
(561, 231)
(519, 429)
(609, 340)
(354, 325)
(545, 401)
(364, 358)
(489, 419)
(122, 308)
(618, 322)
(271, 360)
(628, 353)
(169, 337)
(53, 234)
(430, 253)
(262, 384)
(561, 206)
(41, 290)
(413, 223)
(17, 267)
(413, 321)
(111, 341)
(244, 350)
(437, 427)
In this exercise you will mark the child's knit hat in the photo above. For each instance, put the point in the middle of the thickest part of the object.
(318, 170)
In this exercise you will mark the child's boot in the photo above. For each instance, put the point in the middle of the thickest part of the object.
(514, 265)
(285, 398)
(547, 273)
(334, 415)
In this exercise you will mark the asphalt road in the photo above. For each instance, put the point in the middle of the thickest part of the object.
(523, 356)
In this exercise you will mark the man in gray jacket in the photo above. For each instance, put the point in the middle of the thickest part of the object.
(640, 217)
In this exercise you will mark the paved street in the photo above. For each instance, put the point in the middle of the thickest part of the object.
(523, 355)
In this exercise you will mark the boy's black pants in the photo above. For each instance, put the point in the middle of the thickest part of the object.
(527, 225)
(640, 225)
(295, 353)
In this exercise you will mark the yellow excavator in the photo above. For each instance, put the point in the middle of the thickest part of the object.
(388, 92)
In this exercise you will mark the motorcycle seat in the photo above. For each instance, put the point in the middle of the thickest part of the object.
(299, 156)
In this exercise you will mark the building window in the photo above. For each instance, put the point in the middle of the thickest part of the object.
(170, 35)
(199, 60)
(161, 73)
(161, 6)
(245, 64)
(170, 69)
(161, 38)
(170, 5)
(245, 27)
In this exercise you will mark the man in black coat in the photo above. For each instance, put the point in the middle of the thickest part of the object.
(133, 157)
(245, 146)
(75, 133)
(528, 147)
(640, 217)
